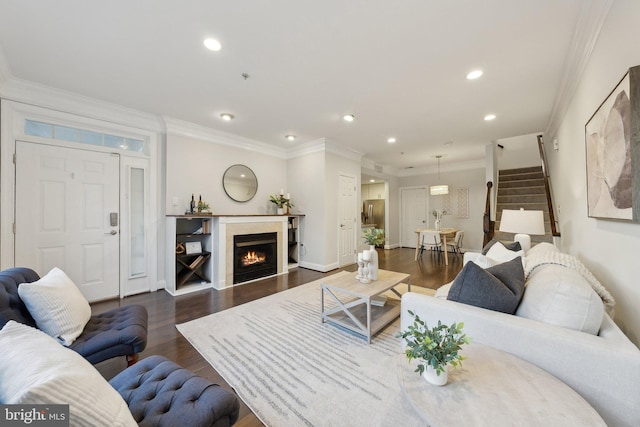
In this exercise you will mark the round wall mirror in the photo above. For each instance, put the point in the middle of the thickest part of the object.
(240, 183)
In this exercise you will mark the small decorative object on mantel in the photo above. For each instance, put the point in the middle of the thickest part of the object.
(198, 208)
(436, 347)
(281, 201)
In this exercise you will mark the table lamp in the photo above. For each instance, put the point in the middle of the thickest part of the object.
(523, 223)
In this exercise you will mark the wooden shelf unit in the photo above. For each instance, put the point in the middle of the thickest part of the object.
(293, 240)
(189, 272)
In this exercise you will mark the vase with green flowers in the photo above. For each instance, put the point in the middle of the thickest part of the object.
(373, 237)
(438, 218)
(281, 201)
(436, 347)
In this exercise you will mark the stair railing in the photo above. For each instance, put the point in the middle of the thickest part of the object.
(488, 226)
(547, 188)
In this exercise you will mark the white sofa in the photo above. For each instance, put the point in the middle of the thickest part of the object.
(604, 368)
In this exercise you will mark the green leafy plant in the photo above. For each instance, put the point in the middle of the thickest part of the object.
(373, 236)
(437, 346)
(280, 201)
(438, 214)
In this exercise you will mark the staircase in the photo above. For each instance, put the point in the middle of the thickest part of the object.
(522, 188)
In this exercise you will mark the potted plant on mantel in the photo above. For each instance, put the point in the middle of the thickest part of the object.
(436, 347)
(280, 201)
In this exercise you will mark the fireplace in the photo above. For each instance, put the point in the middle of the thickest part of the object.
(254, 256)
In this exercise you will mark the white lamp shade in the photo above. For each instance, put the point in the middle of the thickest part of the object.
(438, 190)
(523, 222)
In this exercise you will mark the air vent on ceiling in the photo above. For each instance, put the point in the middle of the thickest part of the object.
(377, 168)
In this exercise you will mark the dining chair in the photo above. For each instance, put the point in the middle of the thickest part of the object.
(456, 245)
(429, 240)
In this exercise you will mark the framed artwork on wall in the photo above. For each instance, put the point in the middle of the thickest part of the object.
(611, 139)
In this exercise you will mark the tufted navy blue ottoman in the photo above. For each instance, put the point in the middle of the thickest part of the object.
(160, 393)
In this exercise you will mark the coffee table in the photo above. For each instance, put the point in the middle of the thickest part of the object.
(498, 389)
(354, 310)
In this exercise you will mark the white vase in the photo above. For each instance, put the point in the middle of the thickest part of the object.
(437, 225)
(280, 211)
(373, 263)
(430, 374)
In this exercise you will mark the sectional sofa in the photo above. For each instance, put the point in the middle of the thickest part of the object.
(562, 324)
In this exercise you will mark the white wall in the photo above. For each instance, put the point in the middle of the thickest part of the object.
(608, 248)
(306, 185)
(197, 166)
(518, 152)
(474, 180)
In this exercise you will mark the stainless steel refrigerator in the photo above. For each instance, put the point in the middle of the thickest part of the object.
(373, 212)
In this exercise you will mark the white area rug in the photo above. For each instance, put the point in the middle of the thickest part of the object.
(293, 370)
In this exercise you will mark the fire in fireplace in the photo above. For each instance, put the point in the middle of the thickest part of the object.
(255, 256)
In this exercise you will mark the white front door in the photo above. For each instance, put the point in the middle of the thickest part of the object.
(67, 215)
(414, 214)
(347, 208)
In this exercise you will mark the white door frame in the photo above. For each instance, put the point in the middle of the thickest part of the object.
(12, 120)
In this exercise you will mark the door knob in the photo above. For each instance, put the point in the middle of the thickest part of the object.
(112, 232)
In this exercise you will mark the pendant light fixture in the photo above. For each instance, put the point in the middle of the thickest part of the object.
(440, 189)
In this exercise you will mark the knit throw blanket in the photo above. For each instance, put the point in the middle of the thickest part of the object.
(536, 258)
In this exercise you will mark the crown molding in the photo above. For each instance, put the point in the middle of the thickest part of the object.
(193, 130)
(311, 147)
(323, 145)
(593, 15)
(44, 96)
(333, 148)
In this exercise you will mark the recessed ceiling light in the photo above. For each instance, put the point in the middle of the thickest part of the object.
(489, 117)
(391, 140)
(290, 137)
(226, 117)
(212, 44)
(348, 117)
(474, 74)
(372, 180)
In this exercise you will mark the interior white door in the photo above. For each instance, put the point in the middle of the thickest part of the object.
(67, 215)
(414, 214)
(347, 208)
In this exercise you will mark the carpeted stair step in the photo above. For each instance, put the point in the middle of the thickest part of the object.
(516, 191)
(521, 198)
(524, 183)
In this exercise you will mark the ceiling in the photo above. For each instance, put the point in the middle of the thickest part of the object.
(398, 66)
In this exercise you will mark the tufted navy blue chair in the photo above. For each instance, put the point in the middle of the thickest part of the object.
(118, 332)
(160, 393)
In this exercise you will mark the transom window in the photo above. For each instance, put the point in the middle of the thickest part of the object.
(83, 136)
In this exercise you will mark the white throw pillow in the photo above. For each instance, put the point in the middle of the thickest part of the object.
(483, 261)
(499, 254)
(57, 306)
(35, 369)
(443, 291)
(560, 296)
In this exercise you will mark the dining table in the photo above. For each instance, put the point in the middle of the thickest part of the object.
(444, 234)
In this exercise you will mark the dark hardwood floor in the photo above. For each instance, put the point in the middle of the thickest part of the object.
(166, 311)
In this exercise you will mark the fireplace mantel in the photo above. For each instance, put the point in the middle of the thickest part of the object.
(227, 226)
(217, 246)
